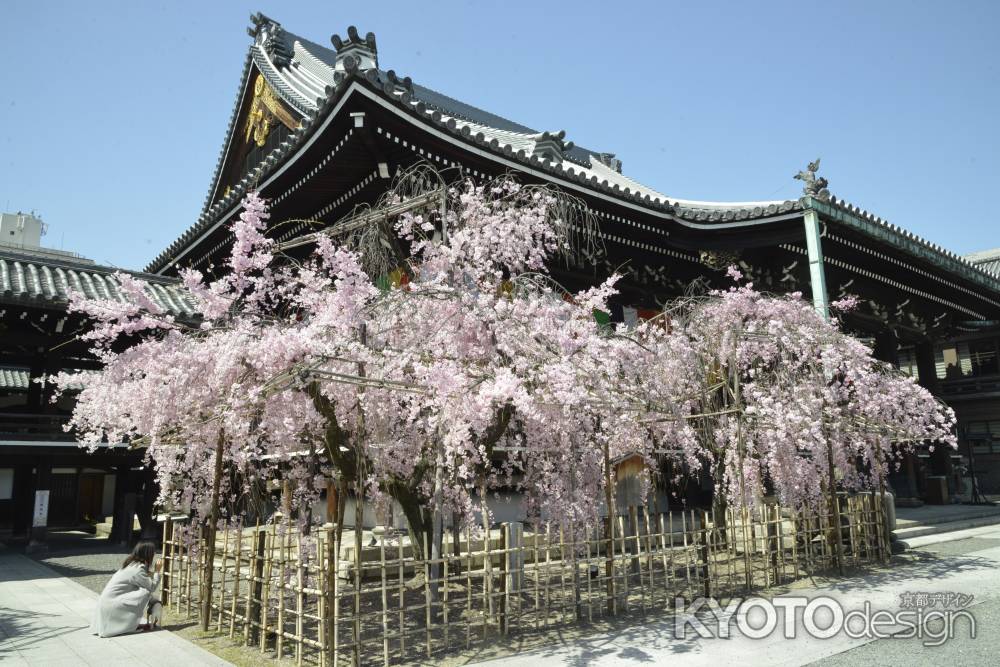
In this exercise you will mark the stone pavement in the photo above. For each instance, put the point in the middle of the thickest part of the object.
(44, 620)
(972, 570)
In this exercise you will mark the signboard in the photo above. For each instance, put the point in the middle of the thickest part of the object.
(41, 517)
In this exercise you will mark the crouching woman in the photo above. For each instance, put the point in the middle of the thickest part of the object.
(130, 595)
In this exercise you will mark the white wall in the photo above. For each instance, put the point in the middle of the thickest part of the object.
(21, 229)
(108, 500)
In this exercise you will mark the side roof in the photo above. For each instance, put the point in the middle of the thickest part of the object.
(37, 278)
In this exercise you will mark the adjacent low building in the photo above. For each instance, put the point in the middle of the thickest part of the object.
(47, 481)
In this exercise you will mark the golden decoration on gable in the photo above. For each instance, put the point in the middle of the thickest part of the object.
(265, 110)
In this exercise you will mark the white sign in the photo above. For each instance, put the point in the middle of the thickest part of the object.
(41, 518)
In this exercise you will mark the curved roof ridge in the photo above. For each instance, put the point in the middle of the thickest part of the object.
(983, 255)
(280, 83)
(606, 172)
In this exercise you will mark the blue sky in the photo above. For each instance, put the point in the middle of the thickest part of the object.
(112, 113)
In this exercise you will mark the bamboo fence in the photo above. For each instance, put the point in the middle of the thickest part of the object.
(320, 601)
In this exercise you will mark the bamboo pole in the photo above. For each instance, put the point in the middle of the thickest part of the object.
(236, 579)
(222, 583)
(402, 597)
(327, 577)
(335, 591)
(427, 596)
(626, 564)
(359, 520)
(279, 639)
(266, 588)
(168, 533)
(487, 560)
(255, 582)
(299, 597)
(838, 547)
(322, 599)
(187, 574)
(385, 604)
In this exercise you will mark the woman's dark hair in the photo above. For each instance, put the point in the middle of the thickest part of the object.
(143, 553)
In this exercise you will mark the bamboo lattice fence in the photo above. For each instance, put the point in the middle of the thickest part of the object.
(321, 601)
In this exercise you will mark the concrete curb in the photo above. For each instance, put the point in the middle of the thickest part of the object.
(905, 534)
(952, 534)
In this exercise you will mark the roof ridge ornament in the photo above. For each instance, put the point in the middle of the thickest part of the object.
(609, 160)
(269, 34)
(363, 52)
(551, 146)
(813, 185)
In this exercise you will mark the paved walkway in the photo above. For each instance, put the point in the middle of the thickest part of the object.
(973, 572)
(932, 514)
(44, 620)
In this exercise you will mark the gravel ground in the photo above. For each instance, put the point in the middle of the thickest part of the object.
(89, 561)
(88, 568)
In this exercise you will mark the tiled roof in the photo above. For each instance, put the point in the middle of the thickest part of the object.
(310, 77)
(302, 67)
(14, 378)
(987, 260)
(31, 277)
(19, 379)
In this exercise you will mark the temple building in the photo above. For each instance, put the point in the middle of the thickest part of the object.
(47, 481)
(319, 130)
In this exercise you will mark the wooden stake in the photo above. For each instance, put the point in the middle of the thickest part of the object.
(168, 533)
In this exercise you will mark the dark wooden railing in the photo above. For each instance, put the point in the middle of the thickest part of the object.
(33, 427)
(987, 384)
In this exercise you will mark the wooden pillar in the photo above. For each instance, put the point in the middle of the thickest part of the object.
(24, 499)
(817, 273)
(887, 347)
(144, 508)
(125, 502)
(926, 366)
(35, 389)
(940, 458)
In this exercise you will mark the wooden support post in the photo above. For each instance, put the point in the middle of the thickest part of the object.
(609, 553)
(330, 590)
(255, 590)
(838, 547)
(817, 273)
(213, 519)
(332, 510)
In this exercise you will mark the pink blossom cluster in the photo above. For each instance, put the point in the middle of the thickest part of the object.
(480, 372)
